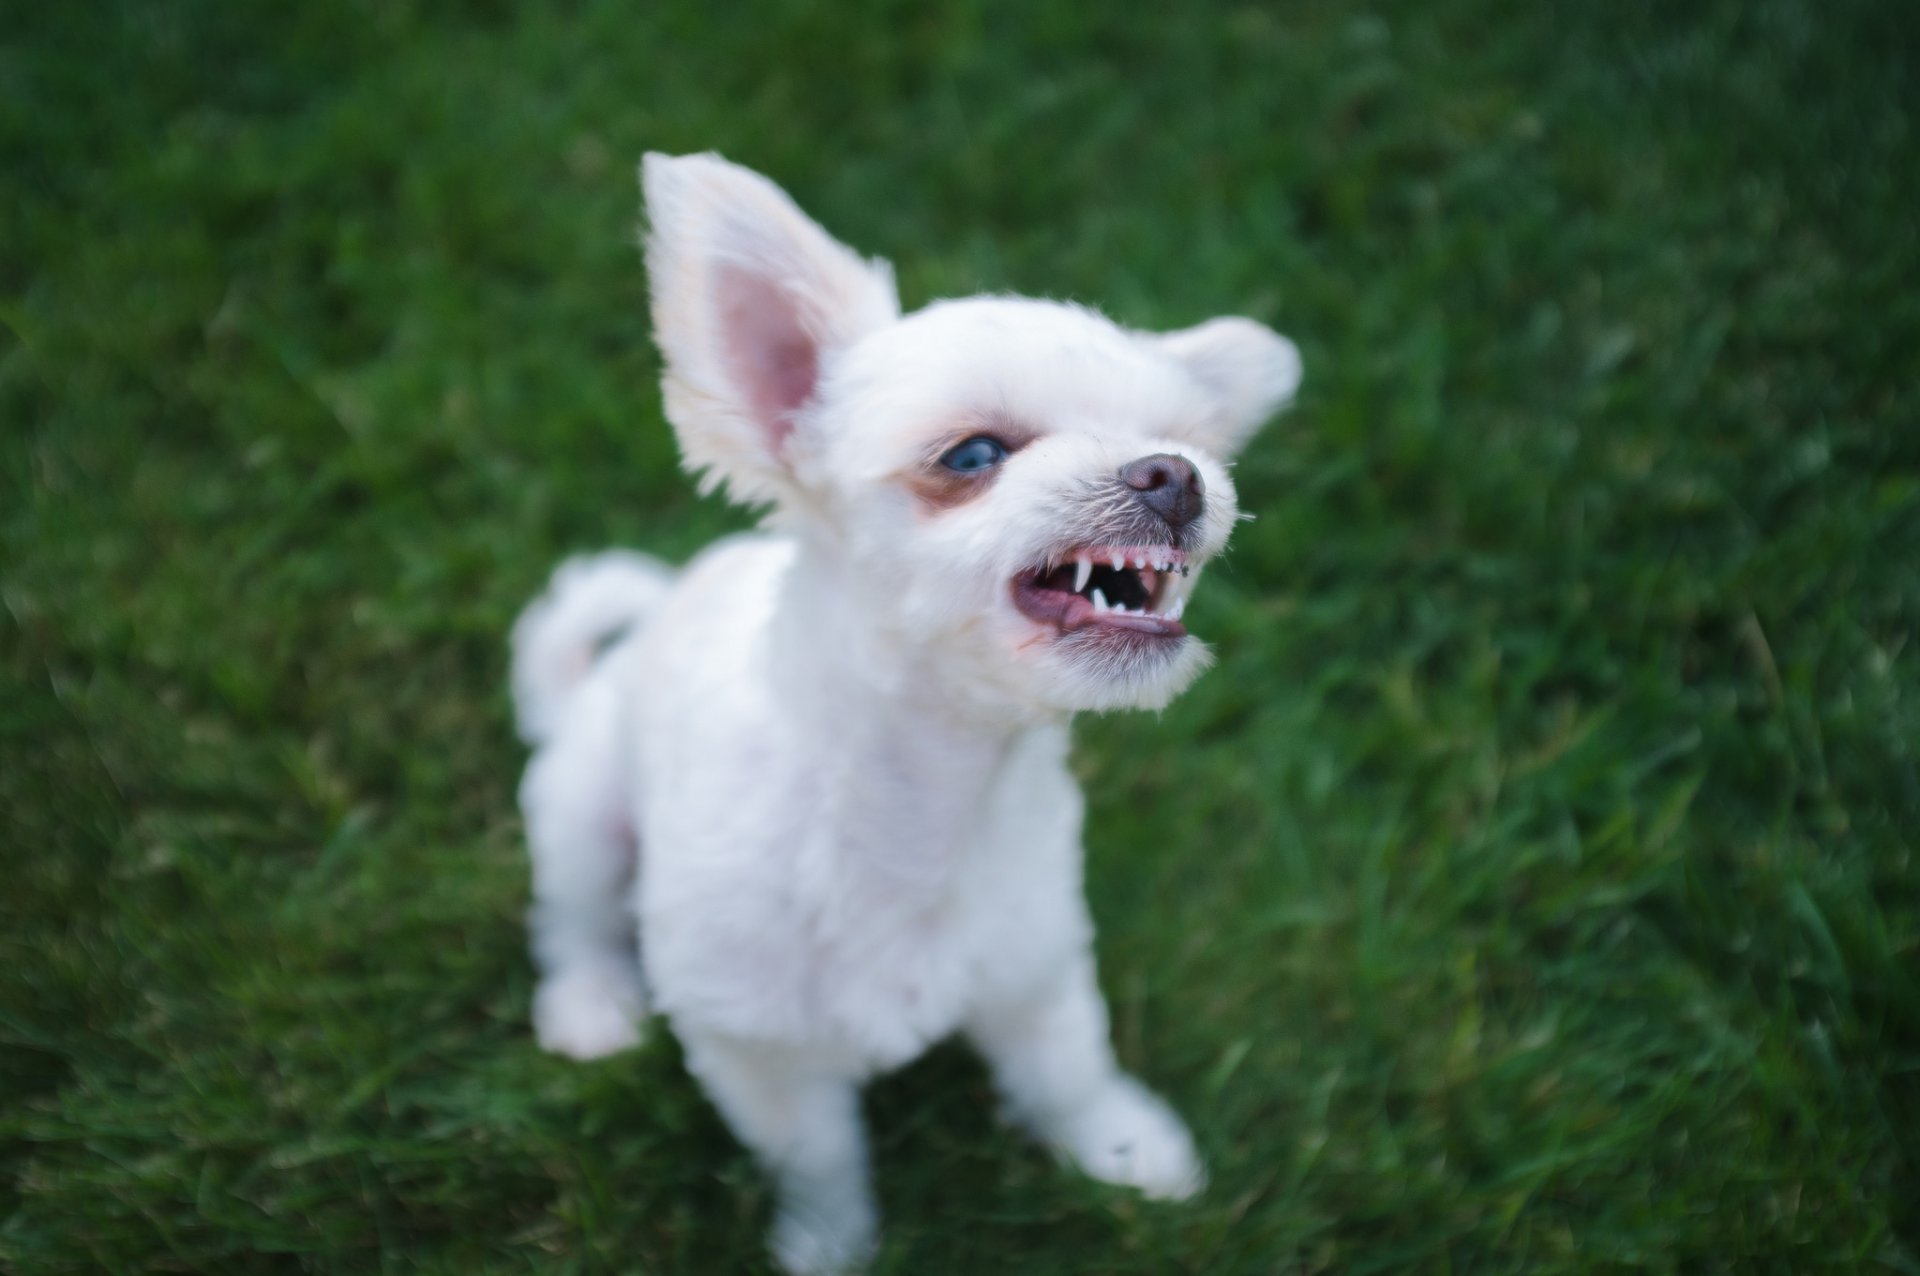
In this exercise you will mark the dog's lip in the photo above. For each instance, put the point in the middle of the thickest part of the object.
(1152, 569)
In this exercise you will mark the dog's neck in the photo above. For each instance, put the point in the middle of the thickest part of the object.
(909, 761)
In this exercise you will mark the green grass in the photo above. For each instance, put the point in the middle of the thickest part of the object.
(1531, 888)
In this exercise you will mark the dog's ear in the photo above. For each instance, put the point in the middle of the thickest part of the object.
(751, 302)
(1250, 371)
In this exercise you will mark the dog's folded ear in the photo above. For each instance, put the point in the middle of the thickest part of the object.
(1249, 370)
(751, 303)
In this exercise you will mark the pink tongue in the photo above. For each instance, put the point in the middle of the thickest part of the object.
(1131, 620)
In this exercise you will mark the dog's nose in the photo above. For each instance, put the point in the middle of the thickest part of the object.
(1168, 485)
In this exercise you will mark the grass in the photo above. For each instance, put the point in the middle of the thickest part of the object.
(1531, 888)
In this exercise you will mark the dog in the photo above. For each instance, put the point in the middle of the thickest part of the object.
(808, 797)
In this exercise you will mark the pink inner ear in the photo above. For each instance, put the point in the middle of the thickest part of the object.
(769, 354)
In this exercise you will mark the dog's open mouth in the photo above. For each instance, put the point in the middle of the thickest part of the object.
(1140, 589)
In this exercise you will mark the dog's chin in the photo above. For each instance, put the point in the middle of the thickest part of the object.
(1094, 673)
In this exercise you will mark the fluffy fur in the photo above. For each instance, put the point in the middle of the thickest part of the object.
(814, 785)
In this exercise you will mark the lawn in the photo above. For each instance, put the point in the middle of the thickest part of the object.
(1530, 888)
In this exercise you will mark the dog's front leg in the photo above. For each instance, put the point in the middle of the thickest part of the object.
(803, 1125)
(1054, 1067)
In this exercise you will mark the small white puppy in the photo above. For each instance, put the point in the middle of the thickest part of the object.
(808, 797)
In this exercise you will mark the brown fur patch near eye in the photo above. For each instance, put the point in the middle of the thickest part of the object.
(939, 489)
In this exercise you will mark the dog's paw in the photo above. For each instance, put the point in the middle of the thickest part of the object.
(807, 1245)
(1126, 1135)
(589, 1012)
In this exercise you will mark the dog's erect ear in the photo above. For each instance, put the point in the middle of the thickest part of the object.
(751, 302)
(1250, 370)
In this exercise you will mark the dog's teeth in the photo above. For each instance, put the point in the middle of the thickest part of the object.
(1099, 601)
(1119, 562)
(1082, 573)
(1179, 606)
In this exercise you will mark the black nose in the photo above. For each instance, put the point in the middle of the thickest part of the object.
(1168, 485)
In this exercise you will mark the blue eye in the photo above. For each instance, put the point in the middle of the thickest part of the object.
(981, 452)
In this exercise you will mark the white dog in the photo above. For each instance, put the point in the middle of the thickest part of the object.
(808, 797)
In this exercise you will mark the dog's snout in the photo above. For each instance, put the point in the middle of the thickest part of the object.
(1168, 485)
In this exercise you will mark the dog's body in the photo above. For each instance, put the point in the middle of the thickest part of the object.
(817, 874)
(825, 767)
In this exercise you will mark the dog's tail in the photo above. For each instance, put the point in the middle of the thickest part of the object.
(590, 600)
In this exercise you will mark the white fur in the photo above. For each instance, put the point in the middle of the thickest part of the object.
(588, 602)
(821, 794)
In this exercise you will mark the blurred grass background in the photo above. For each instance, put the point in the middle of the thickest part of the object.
(1531, 888)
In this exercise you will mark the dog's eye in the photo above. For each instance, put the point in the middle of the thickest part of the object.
(981, 452)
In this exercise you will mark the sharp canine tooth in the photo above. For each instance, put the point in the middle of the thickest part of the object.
(1099, 601)
(1082, 573)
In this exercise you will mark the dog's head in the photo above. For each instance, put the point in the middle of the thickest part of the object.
(1021, 490)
